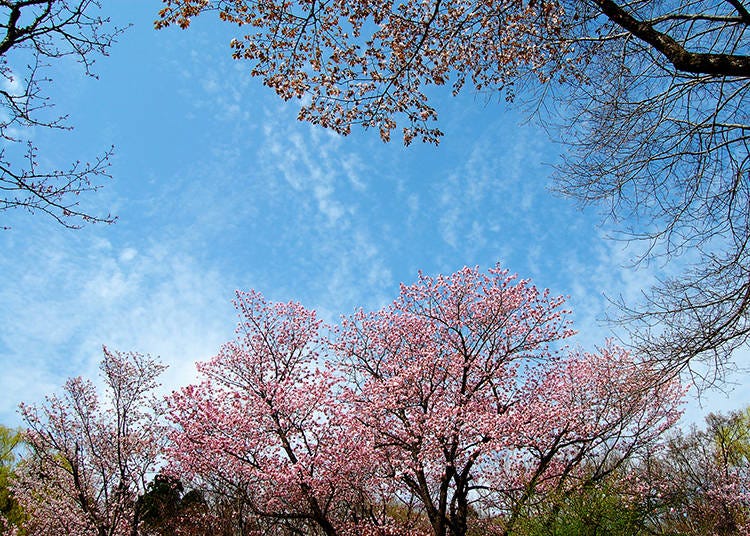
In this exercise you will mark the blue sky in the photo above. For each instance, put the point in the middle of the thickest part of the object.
(218, 187)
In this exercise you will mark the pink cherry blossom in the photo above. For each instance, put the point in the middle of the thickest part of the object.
(90, 460)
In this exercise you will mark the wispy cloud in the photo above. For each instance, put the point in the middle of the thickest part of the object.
(74, 295)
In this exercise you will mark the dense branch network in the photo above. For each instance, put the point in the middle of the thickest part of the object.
(90, 458)
(666, 148)
(369, 62)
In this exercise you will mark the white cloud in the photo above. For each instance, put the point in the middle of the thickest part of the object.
(75, 296)
(128, 254)
(260, 200)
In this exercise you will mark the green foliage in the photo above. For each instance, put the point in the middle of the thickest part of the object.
(162, 499)
(702, 479)
(159, 507)
(11, 442)
(599, 510)
(166, 509)
(695, 484)
(731, 435)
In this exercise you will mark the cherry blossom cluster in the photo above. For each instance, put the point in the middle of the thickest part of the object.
(89, 460)
(457, 404)
(456, 408)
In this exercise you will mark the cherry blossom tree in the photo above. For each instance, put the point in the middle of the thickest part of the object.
(266, 424)
(700, 483)
(474, 406)
(372, 61)
(451, 410)
(693, 482)
(651, 99)
(90, 459)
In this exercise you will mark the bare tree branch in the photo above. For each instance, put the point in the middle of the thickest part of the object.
(35, 32)
(682, 59)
